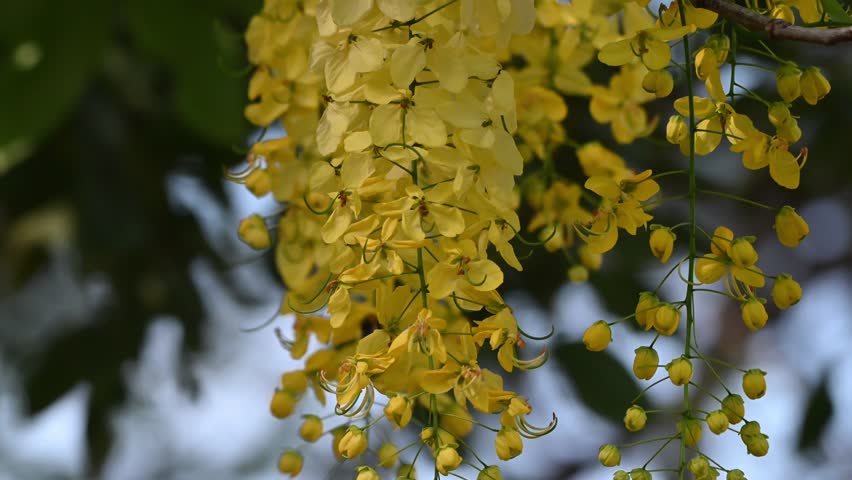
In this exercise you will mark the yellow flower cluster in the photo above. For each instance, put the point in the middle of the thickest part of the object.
(407, 123)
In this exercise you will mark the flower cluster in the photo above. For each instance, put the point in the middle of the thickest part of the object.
(407, 124)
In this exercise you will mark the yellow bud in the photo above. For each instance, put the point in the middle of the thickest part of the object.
(597, 336)
(388, 455)
(721, 45)
(676, 130)
(646, 310)
(398, 411)
(508, 443)
(609, 456)
(645, 363)
(778, 114)
(258, 182)
(621, 475)
(367, 473)
(311, 429)
(406, 471)
(754, 383)
(590, 260)
(427, 434)
(491, 472)
(666, 319)
(754, 314)
(743, 253)
(336, 436)
(295, 381)
(786, 292)
(690, 430)
(709, 268)
(734, 408)
(661, 242)
(717, 422)
(789, 131)
(705, 63)
(680, 371)
(783, 12)
(735, 474)
(790, 227)
(635, 418)
(698, 466)
(721, 241)
(290, 463)
(814, 85)
(658, 82)
(254, 233)
(447, 459)
(755, 441)
(353, 443)
(787, 81)
(640, 474)
(282, 404)
(578, 274)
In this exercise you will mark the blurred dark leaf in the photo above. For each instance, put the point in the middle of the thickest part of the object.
(818, 413)
(836, 10)
(601, 382)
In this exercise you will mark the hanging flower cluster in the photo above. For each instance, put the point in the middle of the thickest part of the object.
(408, 123)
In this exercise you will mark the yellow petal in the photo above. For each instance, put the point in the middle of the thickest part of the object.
(406, 62)
(616, 53)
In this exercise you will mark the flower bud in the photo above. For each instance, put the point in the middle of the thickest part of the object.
(790, 227)
(676, 130)
(789, 131)
(590, 260)
(646, 310)
(578, 274)
(388, 455)
(783, 12)
(294, 381)
(735, 474)
(666, 319)
(814, 85)
(690, 429)
(399, 410)
(698, 466)
(621, 475)
(597, 336)
(336, 436)
(754, 383)
(705, 63)
(367, 473)
(645, 363)
(447, 459)
(290, 463)
(282, 403)
(609, 456)
(743, 253)
(635, 418)
(680, 371)
(353, 443)
(258, 182)
(717, 422)
(661, 242)
(406, 471)
(721, 45)
(640, 474)
(311, 429)
(734, 408)
(658, 82)
(755, 441)
(754, 314)
(779, 114)
(787, 81)
(253, 232)
(508, 443)
(786, 292)
(491, 472)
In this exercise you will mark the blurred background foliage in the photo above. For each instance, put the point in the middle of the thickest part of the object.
(103, 100)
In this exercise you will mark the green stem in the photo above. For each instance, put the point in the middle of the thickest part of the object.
(737, 198)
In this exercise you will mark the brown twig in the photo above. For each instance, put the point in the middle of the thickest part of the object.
(776, 29)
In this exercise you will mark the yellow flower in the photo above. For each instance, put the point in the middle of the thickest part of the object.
(658, 82)
(424, 336)
(501, 331)
(508, 443)
(609, 456)
(754, 383)
(597, 337)
(447, 459)
(649, 45)
(635, 418)
(790, 227)
(463, 269)
(786, 292)
(756, 442)
(254, 233)
(290, 463)
(645, 363)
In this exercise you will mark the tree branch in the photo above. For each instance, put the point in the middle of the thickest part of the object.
(776, 29)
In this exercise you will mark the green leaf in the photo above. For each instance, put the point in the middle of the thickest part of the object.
(603, 384)
(819, 411)
(836, 11)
